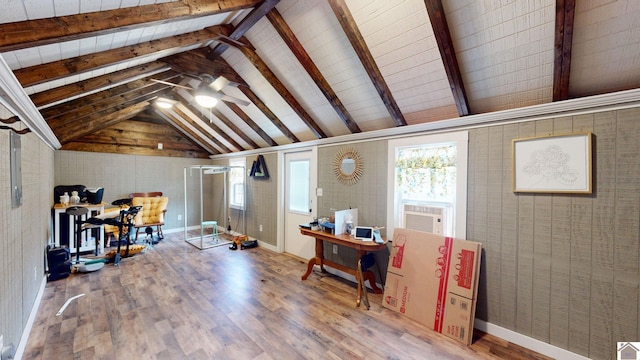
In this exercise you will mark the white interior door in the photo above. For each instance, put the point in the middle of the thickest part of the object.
(300, 201)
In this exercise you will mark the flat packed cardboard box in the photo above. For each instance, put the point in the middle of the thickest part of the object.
(434, 280)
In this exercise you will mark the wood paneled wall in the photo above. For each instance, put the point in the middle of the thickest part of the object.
(563, 269)
(121, 175)
(24, 233)
(368, 195)
(262, 202)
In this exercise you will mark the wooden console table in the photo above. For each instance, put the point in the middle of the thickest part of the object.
(362, 247)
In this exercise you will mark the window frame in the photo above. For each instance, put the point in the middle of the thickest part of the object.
(461, 141)
(237, 164)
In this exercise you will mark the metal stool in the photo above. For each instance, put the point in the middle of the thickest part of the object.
(77, 212)
(214, 228)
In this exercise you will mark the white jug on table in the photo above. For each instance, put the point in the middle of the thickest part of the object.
(75, 199)
(64, 199)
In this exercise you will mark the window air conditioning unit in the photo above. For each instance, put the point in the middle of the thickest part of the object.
(424, 218)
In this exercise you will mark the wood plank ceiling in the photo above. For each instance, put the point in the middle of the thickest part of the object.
(310, 69)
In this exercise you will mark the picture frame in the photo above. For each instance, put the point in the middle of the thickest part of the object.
(553, 164)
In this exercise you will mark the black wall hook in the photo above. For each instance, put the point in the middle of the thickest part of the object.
(19, 132)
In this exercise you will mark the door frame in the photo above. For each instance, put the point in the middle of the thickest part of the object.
(281, 169)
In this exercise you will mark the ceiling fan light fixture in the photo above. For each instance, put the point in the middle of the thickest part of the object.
(206, 100)
(165, 103)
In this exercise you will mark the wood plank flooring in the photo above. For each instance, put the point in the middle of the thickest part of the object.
(177, 302)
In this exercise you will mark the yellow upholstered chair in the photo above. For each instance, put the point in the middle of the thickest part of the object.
(152, 213)
(111, 230)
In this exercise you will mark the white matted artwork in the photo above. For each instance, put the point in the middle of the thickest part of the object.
(553, 164)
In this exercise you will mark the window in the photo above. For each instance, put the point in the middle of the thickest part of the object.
(427, 183)
(236, 183)
(299, 176)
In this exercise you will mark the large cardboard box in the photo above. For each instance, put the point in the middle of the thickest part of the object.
(434, 280)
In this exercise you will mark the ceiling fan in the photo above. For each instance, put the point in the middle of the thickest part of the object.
(209, 90)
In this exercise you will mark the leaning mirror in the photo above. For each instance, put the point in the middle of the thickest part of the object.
(348, 166)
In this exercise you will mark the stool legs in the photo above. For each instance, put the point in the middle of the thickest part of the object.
(214, 228)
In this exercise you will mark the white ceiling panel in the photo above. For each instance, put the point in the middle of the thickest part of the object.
(296, 79)
(110, 5)
(66, 7)
(15, 11)
(261, 87)
(90, 6)
(36, 9)
(490, 37)
(599, 32)
(53, 52)
(401, 40)
(332, 53)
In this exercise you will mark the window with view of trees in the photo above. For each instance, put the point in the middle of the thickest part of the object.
(429, 171)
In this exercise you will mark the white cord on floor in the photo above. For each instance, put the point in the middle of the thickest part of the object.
(67, 304)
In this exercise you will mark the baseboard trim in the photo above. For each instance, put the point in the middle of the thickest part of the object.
(526, 341)
(267, 246)
(32, 318)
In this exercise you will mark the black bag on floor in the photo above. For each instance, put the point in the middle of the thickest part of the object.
(59, 261)
(248, 244)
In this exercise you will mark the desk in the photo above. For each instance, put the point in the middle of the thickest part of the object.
(69, 235)
(362, 247)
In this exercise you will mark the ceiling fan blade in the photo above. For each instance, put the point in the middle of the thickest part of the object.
(234, 100)
(219, 83)
(225, 97)
(172, 84)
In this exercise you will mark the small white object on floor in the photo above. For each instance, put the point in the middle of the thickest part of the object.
(67, 304)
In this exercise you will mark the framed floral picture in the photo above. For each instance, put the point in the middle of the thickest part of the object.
(553, 164)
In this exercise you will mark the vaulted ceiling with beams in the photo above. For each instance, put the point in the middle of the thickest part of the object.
(300, 70)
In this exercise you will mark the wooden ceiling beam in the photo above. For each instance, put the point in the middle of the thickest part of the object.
(350, 28)
(84, 145)
(234, 128)
(74, 90)
(38, 74)
(303, 57)
(205, 132)
(100, 121)
(565, 10)
(213, 127)
(255, 99)
(195, 62)
(448, 54)
(215, 112)
(258, 12)
(247, 119)
(187, 131)
(282, 90)
(106, 105)
(104, 97)
(132, 138)
(23, 34)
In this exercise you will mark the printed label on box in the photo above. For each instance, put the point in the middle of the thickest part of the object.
(399, 242)
(465, 268)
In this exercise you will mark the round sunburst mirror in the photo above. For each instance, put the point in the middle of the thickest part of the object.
(348, 166)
